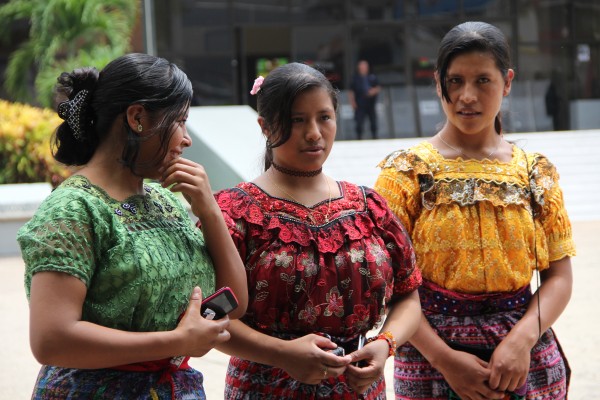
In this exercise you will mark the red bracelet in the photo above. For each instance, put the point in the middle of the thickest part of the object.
(389, 338)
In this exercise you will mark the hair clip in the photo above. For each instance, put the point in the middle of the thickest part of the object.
(73, 111)
(257, 84)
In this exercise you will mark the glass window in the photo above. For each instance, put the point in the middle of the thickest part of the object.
(402, 112)
(424, 41)
(378, 10)
(201, 12)
(437, 8)
(201, 40)
(543, 21)
(321, 46)
(212, 79)
(539, 98)
(486, 9)
(586, 15)
(260, 11)
(383, 47)
(318, 10)
(162, 26)
(264, 48)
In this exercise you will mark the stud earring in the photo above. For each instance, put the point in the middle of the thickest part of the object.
(140, 128)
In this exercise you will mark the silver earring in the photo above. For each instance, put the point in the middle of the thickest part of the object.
(140, 128)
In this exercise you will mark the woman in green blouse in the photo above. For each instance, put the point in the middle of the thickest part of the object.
(114, 265)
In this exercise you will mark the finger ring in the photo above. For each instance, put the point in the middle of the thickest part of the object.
(325, 373)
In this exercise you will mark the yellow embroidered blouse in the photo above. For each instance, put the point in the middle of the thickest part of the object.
(471, 221)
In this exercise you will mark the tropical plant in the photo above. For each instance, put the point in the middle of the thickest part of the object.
(63, 35)
(25, 154)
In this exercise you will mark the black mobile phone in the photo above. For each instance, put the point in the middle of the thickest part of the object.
(338, 351)
(219, 304)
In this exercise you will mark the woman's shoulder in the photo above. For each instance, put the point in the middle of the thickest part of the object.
(417, 158)
(243, 190)
(75, 202)
(244, 201)
(535, 164)
(75, 189)
(363, 198)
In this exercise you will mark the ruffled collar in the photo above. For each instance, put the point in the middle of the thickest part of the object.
(354, 215)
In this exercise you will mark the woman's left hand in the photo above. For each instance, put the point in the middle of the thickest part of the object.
(373, 356)
(509, 365)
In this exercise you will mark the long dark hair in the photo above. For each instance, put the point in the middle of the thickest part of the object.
(153, 82)
(276, 97)
(468, 37)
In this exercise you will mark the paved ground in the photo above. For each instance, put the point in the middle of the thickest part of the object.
(577, 329)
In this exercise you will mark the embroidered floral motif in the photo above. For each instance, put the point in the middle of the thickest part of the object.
(378, 253)
(262, 284)
(310, 313)
(283, 260)
(335, 304)
(360, 318)
(266, 259)
(308, 265)
(129, 207)
(356, 255)
(312, 270)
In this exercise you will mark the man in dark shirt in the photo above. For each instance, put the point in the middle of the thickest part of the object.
(363, 98)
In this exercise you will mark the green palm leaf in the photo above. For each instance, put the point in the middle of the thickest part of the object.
(64, 33)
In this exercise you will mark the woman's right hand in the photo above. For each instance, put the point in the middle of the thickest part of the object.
(198, 334)
(468, 376)
(308, 360)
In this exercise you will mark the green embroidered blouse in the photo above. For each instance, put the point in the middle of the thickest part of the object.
(139, 258)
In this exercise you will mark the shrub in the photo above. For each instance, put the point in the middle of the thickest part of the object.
(25, 154)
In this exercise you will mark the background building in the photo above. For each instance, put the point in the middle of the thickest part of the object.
(224, 44)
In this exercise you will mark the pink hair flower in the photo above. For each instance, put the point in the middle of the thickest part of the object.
(257, 84)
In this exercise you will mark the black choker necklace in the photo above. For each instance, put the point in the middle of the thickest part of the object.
(294, 172)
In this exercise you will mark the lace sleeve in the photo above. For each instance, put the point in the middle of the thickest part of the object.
(407, 276)
(401, 182)
(552, 213)
(65, 235)
(233, 206)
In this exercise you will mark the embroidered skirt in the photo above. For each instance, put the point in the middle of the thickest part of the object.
(54, 383)
(481, 320)
(247, 380)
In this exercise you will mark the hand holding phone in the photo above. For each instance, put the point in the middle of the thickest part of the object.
(219, 304)
(215, 306)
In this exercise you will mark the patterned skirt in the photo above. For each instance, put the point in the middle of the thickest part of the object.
(480, 320)
(55, 383)
(247, 380)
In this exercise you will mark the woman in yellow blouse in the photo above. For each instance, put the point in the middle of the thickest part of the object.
(483, 216)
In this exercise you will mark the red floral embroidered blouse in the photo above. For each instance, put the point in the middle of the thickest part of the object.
(309, 275)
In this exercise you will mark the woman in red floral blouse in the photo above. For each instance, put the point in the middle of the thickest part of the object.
(325, 260)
